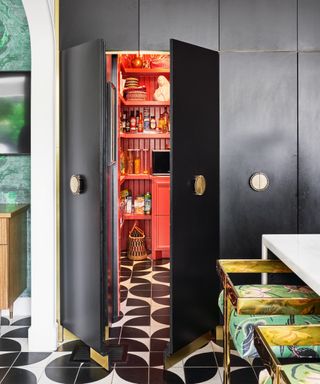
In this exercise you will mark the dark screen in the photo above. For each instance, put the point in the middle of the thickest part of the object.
(14, 112)
(161, 162)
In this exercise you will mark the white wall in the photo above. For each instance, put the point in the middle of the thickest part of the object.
(43, 331)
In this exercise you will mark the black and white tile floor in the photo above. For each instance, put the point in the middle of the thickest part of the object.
(144, 327)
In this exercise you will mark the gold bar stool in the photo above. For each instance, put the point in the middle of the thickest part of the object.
(306, 338)
(246, 306)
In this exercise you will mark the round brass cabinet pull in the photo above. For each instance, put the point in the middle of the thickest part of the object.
(199, 185)
(76, 184)
(259, 181)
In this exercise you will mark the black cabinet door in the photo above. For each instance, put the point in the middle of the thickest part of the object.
(258, 24)
(194, 218)
(83, 251)
(258, 133)
(189, 20)
(309, 139)
(114, 21)
(309, 25)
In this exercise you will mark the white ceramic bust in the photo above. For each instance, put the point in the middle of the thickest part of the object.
(162, 93)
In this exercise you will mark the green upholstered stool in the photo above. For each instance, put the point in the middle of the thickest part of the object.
(242, 326)
(246, 306)
(296, 374)
(266, 338)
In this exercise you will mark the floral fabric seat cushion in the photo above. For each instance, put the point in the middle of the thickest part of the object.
(242, 326)
(296, 374)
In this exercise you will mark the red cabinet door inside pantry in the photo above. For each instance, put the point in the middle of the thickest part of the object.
(161, 217)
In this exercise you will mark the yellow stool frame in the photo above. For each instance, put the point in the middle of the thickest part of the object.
(267, 336)
(255, 305)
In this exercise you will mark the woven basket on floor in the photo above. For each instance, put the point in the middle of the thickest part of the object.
(137, 244)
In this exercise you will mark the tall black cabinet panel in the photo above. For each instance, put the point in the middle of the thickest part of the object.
(309, 24)
(83, 213)
(188, 20)
(309, 139)
(258, 24)
(258, 95)
(194, 224)
(114, 21)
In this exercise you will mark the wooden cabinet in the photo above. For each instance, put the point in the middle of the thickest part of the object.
(160, 217)
(13, 264)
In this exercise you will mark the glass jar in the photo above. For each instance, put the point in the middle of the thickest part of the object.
(137, 162)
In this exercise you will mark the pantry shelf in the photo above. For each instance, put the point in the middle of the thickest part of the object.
(145, 135)
(136, 217)
(145, 71)
(151, 103)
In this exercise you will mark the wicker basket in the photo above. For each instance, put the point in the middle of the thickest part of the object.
(136, 244)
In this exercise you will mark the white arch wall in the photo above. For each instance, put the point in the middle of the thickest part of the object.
(43, 331)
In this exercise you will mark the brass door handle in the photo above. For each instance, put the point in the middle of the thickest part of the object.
(77, 184)
(199, 185)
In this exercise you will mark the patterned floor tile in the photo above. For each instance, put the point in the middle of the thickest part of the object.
(8, 358)
(19, 376)
(59, 375)
(203, 375)
(94, 375)
(131, 375)
(143, 327)
(172, 376)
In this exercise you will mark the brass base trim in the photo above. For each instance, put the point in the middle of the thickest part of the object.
(171, 360)
(106, 333)
(66, 335)
(219, 332)
(103, 361)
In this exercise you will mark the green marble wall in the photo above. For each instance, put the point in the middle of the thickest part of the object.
(15, 55)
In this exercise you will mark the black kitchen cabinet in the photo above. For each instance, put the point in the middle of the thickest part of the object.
(114, 21)
(309, 25)
(309, 139)
(188, 20)
(258, 96)
(258, 24)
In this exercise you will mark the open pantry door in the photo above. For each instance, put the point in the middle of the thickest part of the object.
(194, 196)
(83, 193)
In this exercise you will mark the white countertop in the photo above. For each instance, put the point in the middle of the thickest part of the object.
(301, 253)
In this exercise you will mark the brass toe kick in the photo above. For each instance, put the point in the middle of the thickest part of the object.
(103, 361)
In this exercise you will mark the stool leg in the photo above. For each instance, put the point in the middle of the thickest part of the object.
(11, 311)
(226, 339)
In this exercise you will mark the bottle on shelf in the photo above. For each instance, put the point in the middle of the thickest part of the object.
(127, 130)
(166, 125)
(137, 118)
(130, 165)
(122, 163)
(146, 170)
(133, 122)
(137, 162)
(146, 119)
(140, 124)
(153, 123)
(161, 123)
(123, 122)
(129, 207)
(147, 203)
